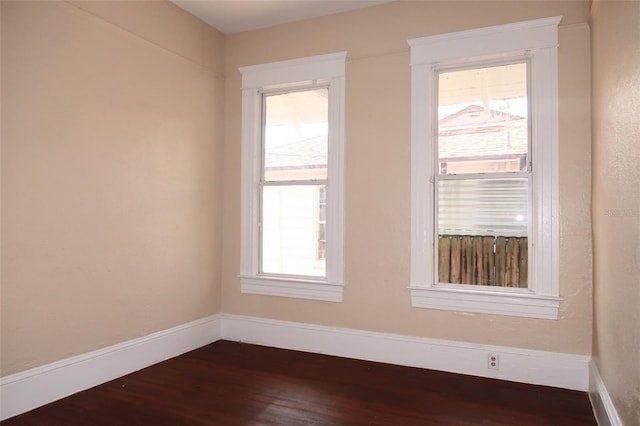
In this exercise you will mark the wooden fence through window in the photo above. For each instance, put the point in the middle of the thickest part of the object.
(483, 260)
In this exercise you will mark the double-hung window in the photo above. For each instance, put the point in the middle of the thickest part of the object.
(484, 170)
(292, 178)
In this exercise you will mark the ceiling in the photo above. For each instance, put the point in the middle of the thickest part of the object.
(233, 16)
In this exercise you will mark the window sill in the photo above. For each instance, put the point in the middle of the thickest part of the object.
(296, 288)
(463, 300)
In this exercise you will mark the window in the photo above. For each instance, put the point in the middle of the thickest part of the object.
(484, 170)
(292, 178)
(482, 175)
(294, 169)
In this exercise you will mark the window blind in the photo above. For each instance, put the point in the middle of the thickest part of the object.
(492, 207)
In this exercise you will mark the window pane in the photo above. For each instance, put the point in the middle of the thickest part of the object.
(295, 135)
(290, 228)
(482, 231)
(496, 207)
(483, 120)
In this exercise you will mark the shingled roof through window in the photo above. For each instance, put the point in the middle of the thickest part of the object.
(308, 153)
(472, 131)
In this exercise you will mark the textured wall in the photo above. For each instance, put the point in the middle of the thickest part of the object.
(112, 161)
(111, 175)
(377, 220)
(616, 201)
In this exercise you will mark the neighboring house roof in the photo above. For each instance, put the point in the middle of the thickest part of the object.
(474, 131)
(308, 153)
(470, 132)
(486, 141)
(474, 115)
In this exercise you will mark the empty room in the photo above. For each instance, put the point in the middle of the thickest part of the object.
(269, 212)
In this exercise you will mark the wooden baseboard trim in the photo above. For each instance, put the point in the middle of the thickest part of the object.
(30, 389)
(603, 408)
(561, 370)
(26, 390)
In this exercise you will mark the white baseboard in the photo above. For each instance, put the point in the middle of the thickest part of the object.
(32, 388)
(603, 408)
(519, 365)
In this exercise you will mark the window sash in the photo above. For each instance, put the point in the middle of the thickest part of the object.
(479, 224)
(266, 183)
(261, 226)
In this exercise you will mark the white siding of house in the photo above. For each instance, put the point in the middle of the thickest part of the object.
(290, 226)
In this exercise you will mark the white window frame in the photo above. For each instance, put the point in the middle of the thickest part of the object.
(292, 74)
(537, 41)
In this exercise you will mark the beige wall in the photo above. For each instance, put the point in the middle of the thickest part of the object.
(377, 222)
(111, 175)
(616, 201)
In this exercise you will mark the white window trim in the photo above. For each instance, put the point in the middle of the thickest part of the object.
(292, 73)
(538, 40)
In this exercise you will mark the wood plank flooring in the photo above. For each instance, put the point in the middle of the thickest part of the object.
(228, 383)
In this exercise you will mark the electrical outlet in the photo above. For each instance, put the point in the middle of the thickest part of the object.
(493, 360)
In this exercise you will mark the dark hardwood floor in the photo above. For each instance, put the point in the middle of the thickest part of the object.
(229, 383)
